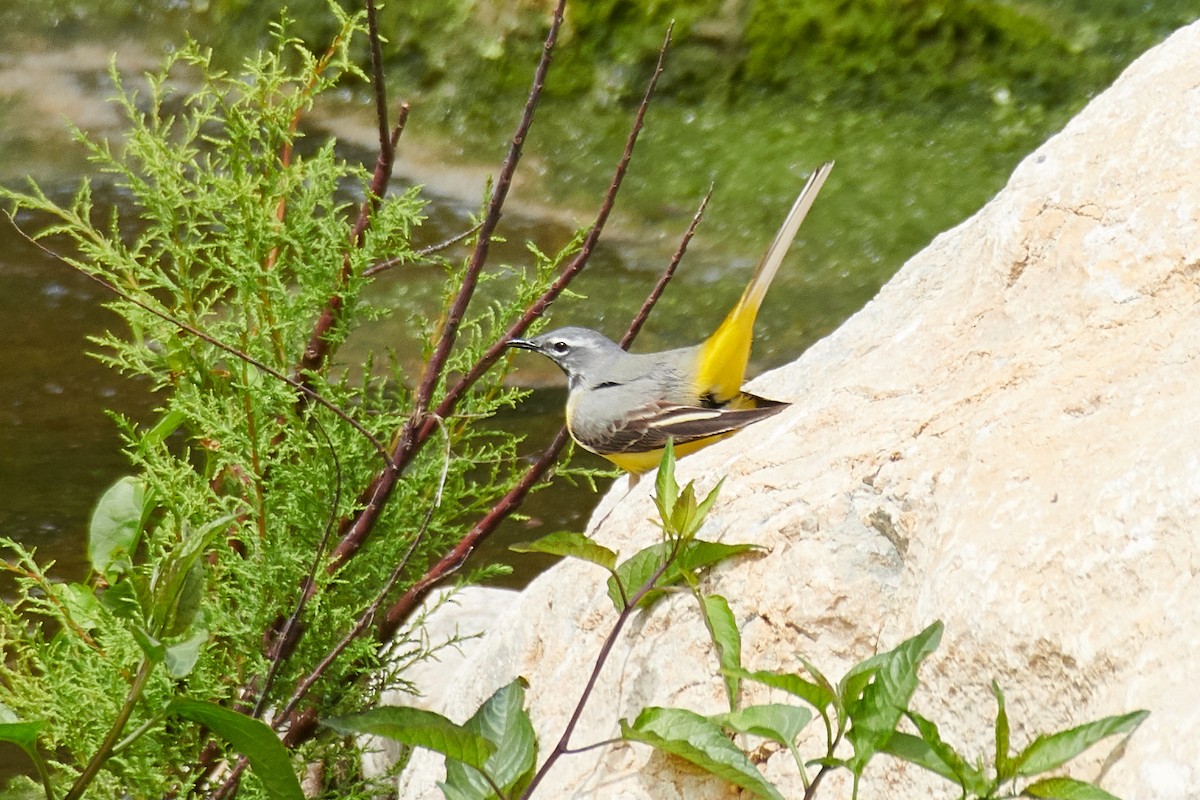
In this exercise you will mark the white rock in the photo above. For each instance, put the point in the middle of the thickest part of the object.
(1007, 438)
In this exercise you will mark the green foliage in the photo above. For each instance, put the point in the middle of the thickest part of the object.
(249, 736)
(416, 727)
(238, 242)
(701, 741)
(864, 708)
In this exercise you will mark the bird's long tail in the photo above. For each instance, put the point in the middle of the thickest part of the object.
(724, 355)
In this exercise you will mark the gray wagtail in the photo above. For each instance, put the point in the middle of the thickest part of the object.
(625, 406)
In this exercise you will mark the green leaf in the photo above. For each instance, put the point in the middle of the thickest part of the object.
(876, 692)
(722, 627)
(666, 490)
(503, 722)
(819, 697)
(574, 545)
(180, 658)
(1004, 764)
(1066, 789)
(697, 554)
(121, 600)
(177, 587)
(1047, 752)
(916, 750)
(251, 738)
(962, 773)
(417, 727)
(115, 527)
(165, 426)
(633, 573)
(706, 504)
(702, 742)
(22, 734)
(152, 647)
(690, 556)
(775, 721)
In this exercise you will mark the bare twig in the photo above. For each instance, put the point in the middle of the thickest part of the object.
(419, 425)
(316, 352)
(643, 314)
(424, 252)
(539, 306)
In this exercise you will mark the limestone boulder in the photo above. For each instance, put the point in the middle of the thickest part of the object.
(1007, 438)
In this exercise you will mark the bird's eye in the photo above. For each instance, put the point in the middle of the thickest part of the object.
(560, 346)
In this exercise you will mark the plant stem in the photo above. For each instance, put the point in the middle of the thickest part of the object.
(564, 741)
(93, 767)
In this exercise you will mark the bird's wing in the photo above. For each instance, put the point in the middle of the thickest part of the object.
(648, 428)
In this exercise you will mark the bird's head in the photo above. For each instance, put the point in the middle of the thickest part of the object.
(577, 351)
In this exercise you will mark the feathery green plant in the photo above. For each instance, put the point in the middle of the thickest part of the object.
(234, 577)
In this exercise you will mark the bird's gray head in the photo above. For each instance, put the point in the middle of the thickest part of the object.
(578, 351)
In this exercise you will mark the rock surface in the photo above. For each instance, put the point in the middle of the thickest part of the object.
(1007, 439)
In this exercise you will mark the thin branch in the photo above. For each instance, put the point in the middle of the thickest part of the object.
(284, 644)
(316, 352)
(419, 426)
(652, 299)
(539, 306)
(424, 252)
(458, 307)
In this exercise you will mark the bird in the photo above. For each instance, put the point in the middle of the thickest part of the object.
(626, 406)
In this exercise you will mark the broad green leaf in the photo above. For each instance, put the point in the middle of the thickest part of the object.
(503, 722)
(1004, 765)
(1047, 752)
(417, 727)
(250, 737)
(817, 696)
(775, 721)
(180, 658)
(962, 773)
(166, 425)
(666, 490)
(707, 503)
(177, 587)
(916, 750)
(691, 556)
(22, 734)
(876, 708)
(1066, 789)
(574, 545)
(634, 572)
(699, 554)
(829, 692)
(722, 627)
(115, 527)
(702, 742)
(151, 646)
(121, 600)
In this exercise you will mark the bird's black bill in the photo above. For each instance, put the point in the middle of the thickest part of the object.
(521, 344)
